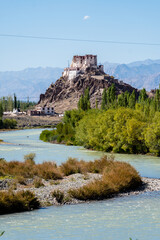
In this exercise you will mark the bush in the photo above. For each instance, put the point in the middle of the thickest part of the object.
(38, 182)
(58, 195)
(72, 165)
(47, 170)
(17, 202)
(28, 169)
(9, 123)
(117, 177)
(29, 158)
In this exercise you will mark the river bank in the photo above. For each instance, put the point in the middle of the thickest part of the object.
(25, 121)
(55, 192)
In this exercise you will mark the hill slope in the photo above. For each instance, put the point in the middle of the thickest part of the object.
(65, 94)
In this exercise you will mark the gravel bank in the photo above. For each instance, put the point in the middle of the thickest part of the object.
(45, 193)
(24, 121)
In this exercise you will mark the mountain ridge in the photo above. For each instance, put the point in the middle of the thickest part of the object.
(31, 82)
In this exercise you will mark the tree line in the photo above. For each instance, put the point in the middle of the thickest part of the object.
(9, 103)
(126, 123)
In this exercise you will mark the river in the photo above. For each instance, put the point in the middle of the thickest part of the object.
(116, 219)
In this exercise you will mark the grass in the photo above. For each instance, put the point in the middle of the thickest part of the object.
(11, 202)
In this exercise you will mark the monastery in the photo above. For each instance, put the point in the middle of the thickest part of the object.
(80, 64)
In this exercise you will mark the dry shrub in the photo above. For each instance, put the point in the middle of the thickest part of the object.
(97, 166)
(16, 202)
(29, 158)
(117, 177)
(71, 166)
(59, 195)
(122, 176)
(28, 169)
(95, 190)
(21, 180)
(38, 182)
(47, 170)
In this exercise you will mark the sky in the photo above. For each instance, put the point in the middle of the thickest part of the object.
(135, 21)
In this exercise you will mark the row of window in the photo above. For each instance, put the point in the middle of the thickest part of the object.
(48, 108)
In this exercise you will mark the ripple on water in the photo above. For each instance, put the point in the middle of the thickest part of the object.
(119, 218)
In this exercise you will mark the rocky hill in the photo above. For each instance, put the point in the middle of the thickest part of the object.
(65, 94)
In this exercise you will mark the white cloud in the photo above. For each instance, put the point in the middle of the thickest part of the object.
(86, 17)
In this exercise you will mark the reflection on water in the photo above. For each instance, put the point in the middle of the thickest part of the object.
(115, 219)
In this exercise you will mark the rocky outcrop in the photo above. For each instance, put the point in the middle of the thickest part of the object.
(65, 94)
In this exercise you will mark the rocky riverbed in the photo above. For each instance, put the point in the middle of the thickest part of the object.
(55, 192)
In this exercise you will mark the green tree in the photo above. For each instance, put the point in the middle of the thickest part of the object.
(104, 99)
(84, 101)
(15, 101)
(152, 135)
(132, 100)
(1, 110)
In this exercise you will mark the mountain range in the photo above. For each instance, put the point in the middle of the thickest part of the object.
(31, 82)
(140, 74)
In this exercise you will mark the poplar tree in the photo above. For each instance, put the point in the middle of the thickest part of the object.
(132, 100)
(104, 99)
(15, 101)
(1, 110)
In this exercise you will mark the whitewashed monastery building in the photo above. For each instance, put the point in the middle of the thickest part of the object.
(80, 64)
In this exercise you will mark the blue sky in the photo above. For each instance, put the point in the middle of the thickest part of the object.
(113, 20)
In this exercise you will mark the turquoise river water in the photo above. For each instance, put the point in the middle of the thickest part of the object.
(137, 217)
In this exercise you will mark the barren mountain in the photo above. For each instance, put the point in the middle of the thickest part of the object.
(64, 94)
(141, 74)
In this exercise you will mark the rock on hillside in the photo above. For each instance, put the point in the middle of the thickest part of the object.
(64, 94)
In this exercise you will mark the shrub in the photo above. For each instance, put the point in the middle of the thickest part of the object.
(71, 166)
(47, 170)
(59, 196)
(9, 123)
(21, 180)
(117, 177)
(17, 202)
(29, 158)
(28, 169)
(38, 182)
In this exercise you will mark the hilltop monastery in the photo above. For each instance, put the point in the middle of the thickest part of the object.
(78, 66)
